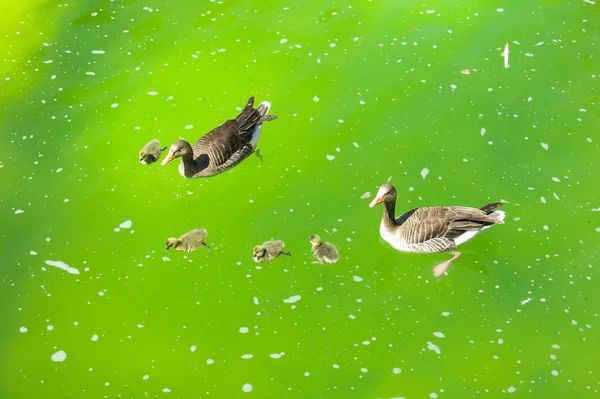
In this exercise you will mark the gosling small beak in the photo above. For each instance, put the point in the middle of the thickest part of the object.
(168, 159)
(376, 201)
(142, 161)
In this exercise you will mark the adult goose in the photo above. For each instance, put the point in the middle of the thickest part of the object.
(223, 147)
(433, 229)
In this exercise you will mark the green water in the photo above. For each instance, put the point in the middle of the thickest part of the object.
(375, 84)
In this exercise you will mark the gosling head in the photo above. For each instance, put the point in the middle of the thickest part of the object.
(146, 158)
(258, 252)
(386, 193)
(178, 149)
(314, 239)
(171, 243)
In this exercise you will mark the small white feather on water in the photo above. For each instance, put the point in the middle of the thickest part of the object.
(59, 356)
(505, 54)
(126, 224)
(63, 266)
(424, 172)
(482, 132)
(545, 146)
(292, 299)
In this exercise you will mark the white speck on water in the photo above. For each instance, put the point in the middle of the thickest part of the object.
(244, 330)
(256, 300)
(23, 329)
(545, 146)
(356, 144)
(209, 361)
(166, 390)
(439, 334)
(292, 299)
(365, 195)
(396, 370)
(145, 377)
(482, 132)
(500, 9)
(188, 127)
(539, 43)
(366, 343)
(524, 301)
(357, 279)
(152, 93)
(98, 52)
(529, 99)
(445, 314)
(330, 157)
(543, 200)
(433, 395)
(424, 172)
(95, 337)
(556, 179)
(433, 347)
(114, 105)
(126, 224)
(32, 253)
(140, 326)
(528, 54)
(555, 346)
(430, 11)
(59, 170)
(50, 327)
(18, 211)
(165, 259)
(247, 356)
(59, 356)
(453, 86)
(511, 389)
(554, 372)
(275, 355)
(283, 41)
(582, 110)
(316, 99)
(62, 265)
(193, 348)
(247, 388)
(336, 366)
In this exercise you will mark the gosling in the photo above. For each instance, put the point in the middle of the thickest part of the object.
(190, 241)
(269, 250)
(324, 252)
(151, 152)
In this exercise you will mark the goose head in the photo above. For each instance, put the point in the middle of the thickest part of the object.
(258, 253)
(386, 193)
(314, 239)
(178, 149)
(172, 243)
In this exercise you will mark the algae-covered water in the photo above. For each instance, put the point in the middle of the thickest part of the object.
(363, 90)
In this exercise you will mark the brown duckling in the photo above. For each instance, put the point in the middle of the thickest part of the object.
(151, 152)
(189, 242)
(268, 250)
(324, 252)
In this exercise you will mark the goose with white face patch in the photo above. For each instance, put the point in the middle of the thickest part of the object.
(223, 147)
(436, 229)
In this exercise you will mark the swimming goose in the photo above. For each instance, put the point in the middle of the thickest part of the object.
(324, 252)
(433, 229)
(269, 250)
(150, 152)
(189, 242)
(223, 147)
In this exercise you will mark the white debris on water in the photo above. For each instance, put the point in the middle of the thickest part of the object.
(95, 337)
(63, 266)
(511, 389)
(126, 224)
(396, 370)
(445, 314)
(152, 93)
(188, 127)
(23, 329)
(59, 170)
(316, 99)
(59, 356)
(330, 157)
(433, 347)
(424, 172)
(210, 361)
(32, 253)
(365, 195)
(482, 132)
(18, 211)
(545, 146)
(358, 279)
(114, 105)
(166, 390)
(276, 355)
(193, 348)
(543, 200)
(439, 334)
(244, 330)
(247, 388)
(292, 299)
(526, 300)
(98, 52)
(247, 356)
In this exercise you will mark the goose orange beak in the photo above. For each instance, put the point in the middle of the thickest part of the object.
(376, 201)
(168, 159)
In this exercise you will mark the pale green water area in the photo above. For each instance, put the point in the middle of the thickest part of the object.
(363, 90)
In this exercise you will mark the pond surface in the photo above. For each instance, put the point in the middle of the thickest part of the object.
(363, 90)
